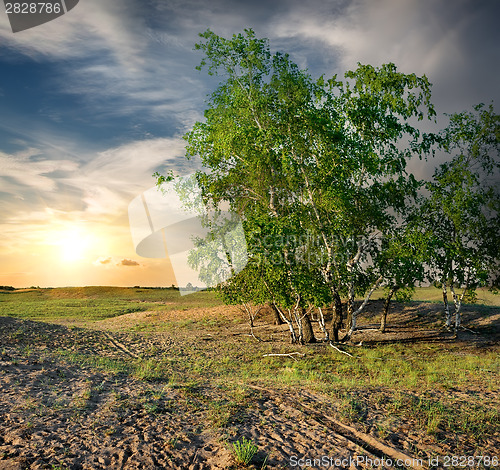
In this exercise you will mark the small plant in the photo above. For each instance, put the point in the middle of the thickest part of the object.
(151, 407)
(352, 408)
(433, 422)
(244, 451)
(172, 442)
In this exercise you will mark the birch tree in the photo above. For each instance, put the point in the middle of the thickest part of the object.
(463, 209)
(298, 158)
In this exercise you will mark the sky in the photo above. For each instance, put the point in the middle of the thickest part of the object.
(96, 101)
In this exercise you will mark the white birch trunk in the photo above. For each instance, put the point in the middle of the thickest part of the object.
(362, 306)
(458, 306)
(351, 321)
(351, 315)
(298, 321)
(321, 321)
(446, 306)
(252, 315)
(289, 323)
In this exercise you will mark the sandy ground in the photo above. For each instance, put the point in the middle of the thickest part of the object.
(56, 414)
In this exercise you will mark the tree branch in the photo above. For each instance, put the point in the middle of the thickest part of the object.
(340, 350)
(287, 355)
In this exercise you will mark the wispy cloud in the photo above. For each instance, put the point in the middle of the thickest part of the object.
(24, 168)
(111, 179)
(115, 26)
(105, 52)
(104, 182)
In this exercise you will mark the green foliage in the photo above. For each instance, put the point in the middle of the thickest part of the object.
(316, 167)
(244, 451)
(470, 296)
(405, 294)
(402, 255)
(462, 211)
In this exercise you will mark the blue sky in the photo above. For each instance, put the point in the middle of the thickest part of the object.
(94, 102)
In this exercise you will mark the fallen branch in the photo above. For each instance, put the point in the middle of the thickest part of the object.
(469, 330)
(288, 355)
(120, 346)
(253, 336)
(340, 350)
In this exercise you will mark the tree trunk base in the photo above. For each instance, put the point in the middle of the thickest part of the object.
(307, 331)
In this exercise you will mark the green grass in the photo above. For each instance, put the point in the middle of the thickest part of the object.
(437, 415)
(68, 309)
(394, 366)
(411, 382)
(114, 366)
(201, 298)
(95, 303)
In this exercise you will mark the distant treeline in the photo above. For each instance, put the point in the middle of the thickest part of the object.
(188, 287)
(7, 288)
(157, 288)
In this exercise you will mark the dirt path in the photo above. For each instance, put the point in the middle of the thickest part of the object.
(57, 414)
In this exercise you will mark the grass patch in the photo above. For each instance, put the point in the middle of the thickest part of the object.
(244, 451)
(474, 420)
(114, 366)
(68, 309)
(96, 303)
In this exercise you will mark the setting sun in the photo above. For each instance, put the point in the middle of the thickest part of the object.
(73, 245)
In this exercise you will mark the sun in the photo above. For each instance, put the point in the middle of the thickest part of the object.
(72, 245)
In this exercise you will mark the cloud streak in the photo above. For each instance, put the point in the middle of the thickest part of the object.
(23, 169)
(104, 182)
(115, 26)
(106, 52)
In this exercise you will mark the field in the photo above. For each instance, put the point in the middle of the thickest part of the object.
(137, 378)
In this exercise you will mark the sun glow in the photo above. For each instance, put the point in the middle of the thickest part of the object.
(73, 245)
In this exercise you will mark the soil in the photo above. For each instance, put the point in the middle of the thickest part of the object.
(56, 413)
